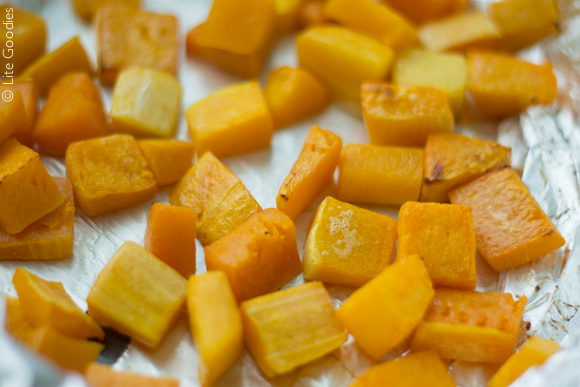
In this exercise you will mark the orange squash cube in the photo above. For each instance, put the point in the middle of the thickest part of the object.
(501, 85)
(294, 95)
(451, 160)
(259, 256)
(219, 199)
(138, 295)
(379, 175)
(470, 326)
(311, 13)
(310, 173)
(348, 245)
(290, 328)
(286, 20)
(443, 236)
(510, 227)
(29, 96)
(16, 323)
(170, 236)
(216, 324)
(27, 191)
(87, 9)
(381, 314)
(421, 11)
(109, 174)
(12, 115)
(169, 160)
(101, 375)
(404, 115)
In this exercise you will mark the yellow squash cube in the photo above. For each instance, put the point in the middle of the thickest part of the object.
(348, 245)
(231, 121)
(87, 9)
(169, 160)
(290, 328)
(12, 115)
(146, 103)
(138, 295)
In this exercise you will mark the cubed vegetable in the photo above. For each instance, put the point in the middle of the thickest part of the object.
(16, 322)
(12, 116)
(87, 9)
(421, 11)
(169, 160)
(311, 13)
(29, 96)
(286, 15)
(101, 375)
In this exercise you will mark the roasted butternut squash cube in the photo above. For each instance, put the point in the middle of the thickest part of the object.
(169, 160)
(231, 121)
(310, 173)
(128, 37)
(49, 68)
(216, 324)
(219, 199)
(294, 95)
(29, 96)
(101, 375)
(470, 326)
(421, 11)
(87, 9)
(12, 115)
(501, 85)
(259, 256)
(533, 353)
(290, 328)
(381, 314)
(451, 160)
(27, 191)
(375, 20)
(443, 236)
(146, 103)
(47, 303)
(109, 174)
(16, 322)
(379, 175)
(510, 227)
(286, 11)
(444, 71)
(170, 236)
(404, 115)
(348, 245)
(417, 369)
(138, 295)
(311, 13)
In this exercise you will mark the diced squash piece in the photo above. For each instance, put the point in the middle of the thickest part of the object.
(348, 245)
(48, 69)
(29, 96)
(379, 175)
(169, 160)
(12, 114)
(510, 227)
(311, 13)
(443, 236)
(501, 85)
(259, 256)
(138, 295)
(219, 199)
(47, 303)
(170, 236)
(470, 326)
(310, 173)
(109, 174)
(27, 191)
(382, 313)
(146, 103)
(290, 328)
(101, 375)
(286, 15)
(72, 112)
(128, 37)
(16, 323)
(216, 324)
(421, 11)
(444, 71)
(402, 115)
(48, 238)
(451, 160)
(418, 369)
(533, 353)
(294, 95)
(87, 9)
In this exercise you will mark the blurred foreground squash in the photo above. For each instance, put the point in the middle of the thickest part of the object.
(287, 12)
(169, 160)
(421, 11)
(101, 375)
(29, 96)
(12, 115)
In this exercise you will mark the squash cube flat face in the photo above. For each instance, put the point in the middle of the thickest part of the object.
(146, 103)
(443, 236)
(310, 173)
(109, 174)
(444, 71)
(510, 227)
(101, 375)
(259, 256)
(404, 116)
(29, 96)
(12, 116)
(470, 326)
(348, 245)
(138, 295)
(16, 323)
(27, 191)
(290, 328)
(216, 324)
(501, 85)
(421, 11)
(128, 37)
(87, 9)
(451, 160)
(379, 175)
(169, 160)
